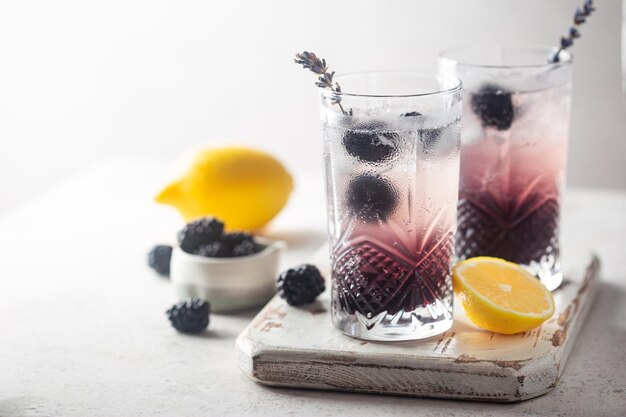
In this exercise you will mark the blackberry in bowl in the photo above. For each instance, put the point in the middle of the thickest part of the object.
(232, 271)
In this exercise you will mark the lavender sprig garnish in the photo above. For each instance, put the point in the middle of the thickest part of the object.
(580, 17)
(310, 61)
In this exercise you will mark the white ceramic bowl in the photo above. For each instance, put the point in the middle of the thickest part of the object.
(228, 284)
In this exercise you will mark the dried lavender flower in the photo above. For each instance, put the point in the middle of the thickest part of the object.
(580, 16)
(310, 61)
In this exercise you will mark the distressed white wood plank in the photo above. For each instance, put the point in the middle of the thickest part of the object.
(298, 347)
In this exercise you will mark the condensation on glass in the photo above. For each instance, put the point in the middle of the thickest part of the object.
(392, 167)
(516, 118)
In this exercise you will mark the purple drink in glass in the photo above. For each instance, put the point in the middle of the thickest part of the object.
(392, 169)
(516, 117)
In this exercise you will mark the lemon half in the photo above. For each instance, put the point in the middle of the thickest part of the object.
(501, 296)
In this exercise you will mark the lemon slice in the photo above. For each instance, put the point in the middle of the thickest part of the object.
(501, 296)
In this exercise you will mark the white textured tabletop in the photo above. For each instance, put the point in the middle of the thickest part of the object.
(84, 331)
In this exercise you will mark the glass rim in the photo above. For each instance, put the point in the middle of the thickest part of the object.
(447, 54)
(458, 85)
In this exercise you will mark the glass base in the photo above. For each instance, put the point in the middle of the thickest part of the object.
(548, 270)
(418, 324)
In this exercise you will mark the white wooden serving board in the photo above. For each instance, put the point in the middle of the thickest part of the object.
(299, 347)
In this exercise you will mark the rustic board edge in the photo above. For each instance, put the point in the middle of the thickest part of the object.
(519, 380)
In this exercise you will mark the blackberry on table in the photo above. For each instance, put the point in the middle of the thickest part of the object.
(494, 106)
(371, 197)
(300, 285)
(159, 259)
(189, 316)
(200, 232)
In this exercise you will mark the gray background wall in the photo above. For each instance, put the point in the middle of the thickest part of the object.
(82, 80)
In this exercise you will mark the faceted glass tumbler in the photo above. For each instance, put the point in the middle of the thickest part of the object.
(391, 151)
(516, 117)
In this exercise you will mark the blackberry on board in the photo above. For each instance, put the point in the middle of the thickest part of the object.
(300, 285)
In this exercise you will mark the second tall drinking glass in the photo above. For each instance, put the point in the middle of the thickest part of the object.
(516, 118)
(392, 166)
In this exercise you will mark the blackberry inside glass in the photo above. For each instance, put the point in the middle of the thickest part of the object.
(392, 171)
(514, 146)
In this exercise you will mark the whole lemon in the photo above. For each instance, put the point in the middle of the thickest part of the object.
(245, 188)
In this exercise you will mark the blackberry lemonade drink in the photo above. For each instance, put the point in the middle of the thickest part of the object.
(392, 167)
(516, 117)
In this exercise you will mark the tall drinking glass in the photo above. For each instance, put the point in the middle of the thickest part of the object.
(391, 149)
(516, 118)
